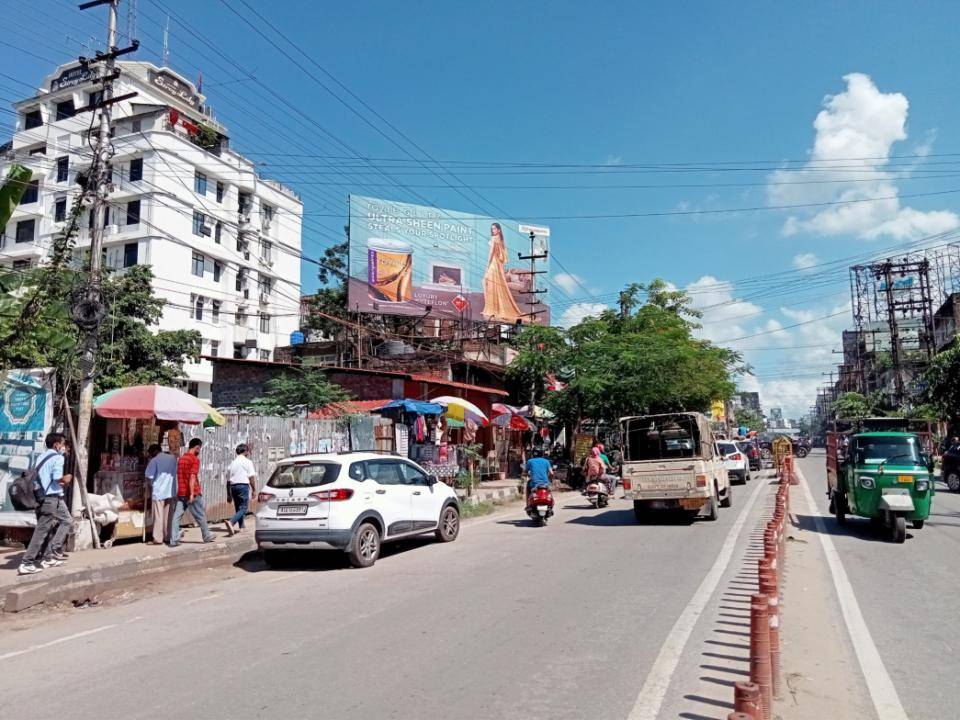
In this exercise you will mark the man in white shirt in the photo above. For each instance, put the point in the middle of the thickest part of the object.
(242, 481)
(162, 473)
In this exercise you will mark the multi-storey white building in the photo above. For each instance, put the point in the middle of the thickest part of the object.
(224, 243)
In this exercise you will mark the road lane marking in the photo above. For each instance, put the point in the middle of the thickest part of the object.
(202, 599)
(58, 641)
(286, 576)
(650, 699)
(884, 695)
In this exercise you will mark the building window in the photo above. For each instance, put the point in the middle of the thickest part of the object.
(60, 210)
(63, 168)
(197, 265)
(193, 388)
(220, 191)
(266, 250)
(200, 183)
(25, 230)
(32, 119)
(198, 223)
(265, 355)
(267, 214)
(136, 169)
(215, 345)
(135, 125)
(94, 98)
(215, 312)
(241, 317)
(264, 323)
(133, 212)
(241, 279)
(238, 350)
(198, 308)
(31, 194)
(217, 270)
(266, 284)
(65, 109)
(218, 232)
(42, 150)
(22, 264)
(130, 251)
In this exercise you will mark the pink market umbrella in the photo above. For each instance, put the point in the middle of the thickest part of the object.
(151, 401)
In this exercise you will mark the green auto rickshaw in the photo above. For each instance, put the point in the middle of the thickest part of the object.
(883, 476)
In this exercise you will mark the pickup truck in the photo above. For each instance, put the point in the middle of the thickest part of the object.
(670, 462)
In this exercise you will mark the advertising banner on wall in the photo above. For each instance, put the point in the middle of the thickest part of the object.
(417, 260)
(26, 415)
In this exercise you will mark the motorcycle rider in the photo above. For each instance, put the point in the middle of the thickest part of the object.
(593, 468)
(539, 471)
(608, 477)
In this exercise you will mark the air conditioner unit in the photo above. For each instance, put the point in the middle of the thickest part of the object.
(266, 224)
(205, 230)
(243, 218)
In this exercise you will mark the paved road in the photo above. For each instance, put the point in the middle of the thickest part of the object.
(510, 621)
(907, 594)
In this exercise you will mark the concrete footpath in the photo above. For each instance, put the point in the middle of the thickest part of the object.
(91, 572)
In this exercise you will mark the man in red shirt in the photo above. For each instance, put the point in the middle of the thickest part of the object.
(189, 494)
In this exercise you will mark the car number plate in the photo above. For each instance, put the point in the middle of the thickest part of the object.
(541, 509)
(692, 503)
(292, 509)
(905, 478)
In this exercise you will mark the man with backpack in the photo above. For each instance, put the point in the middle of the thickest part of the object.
(53, 515)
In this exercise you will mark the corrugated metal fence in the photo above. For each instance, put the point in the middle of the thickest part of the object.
(270, 440)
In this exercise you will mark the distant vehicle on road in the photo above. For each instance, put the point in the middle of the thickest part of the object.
(950, 468)
(752, 450)
(352, 502)
(670, 462)
(735, 460)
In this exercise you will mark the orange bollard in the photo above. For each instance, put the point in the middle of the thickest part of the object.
(746, 701)
(760, 653)
(742, 716)
(768, 587)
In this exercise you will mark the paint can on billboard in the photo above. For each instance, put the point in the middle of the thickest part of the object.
(390, 270)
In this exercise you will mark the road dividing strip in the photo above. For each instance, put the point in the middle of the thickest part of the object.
(58, 641)
(884, 695)
(650, 699)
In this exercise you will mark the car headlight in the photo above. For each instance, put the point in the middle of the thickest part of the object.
(867, 483)
(921, 486)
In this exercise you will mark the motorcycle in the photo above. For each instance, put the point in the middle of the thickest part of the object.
(540, 505)
(597, 493)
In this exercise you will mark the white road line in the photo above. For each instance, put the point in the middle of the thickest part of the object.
(882, 692)
(651, 696)
(58, 641)
(202, 599)
(286, 576)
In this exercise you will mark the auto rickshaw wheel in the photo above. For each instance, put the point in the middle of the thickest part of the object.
(917, 524)
(898, 528)
(953, 481)
(840, 508)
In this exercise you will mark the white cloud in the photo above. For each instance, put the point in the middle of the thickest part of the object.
(804, 261)
(724, 317)
(794, 395)
(613, 160)
(568, 282)
(855, 132)
(575, 313)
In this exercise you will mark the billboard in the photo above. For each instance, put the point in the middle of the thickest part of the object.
(418, 260)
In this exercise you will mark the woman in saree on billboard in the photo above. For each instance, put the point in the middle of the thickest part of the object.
(498, 302)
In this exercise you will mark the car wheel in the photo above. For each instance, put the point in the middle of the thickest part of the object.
(953, 481)
(918, 524)
(639, 511)
(898, 529)
(449, 526)
(365, 548)
(728, 498)
(713, 506)
(840, 508)
(802, 453)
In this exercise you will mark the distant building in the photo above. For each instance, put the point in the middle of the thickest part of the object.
(751, 401)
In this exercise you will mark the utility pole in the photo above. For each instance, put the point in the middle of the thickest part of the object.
(533, 292)
(88, 305)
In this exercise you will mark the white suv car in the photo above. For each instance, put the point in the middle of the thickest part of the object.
(352, 502)
(734, 460)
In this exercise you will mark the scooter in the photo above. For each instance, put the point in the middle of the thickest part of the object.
(597, 493)
(540, 505)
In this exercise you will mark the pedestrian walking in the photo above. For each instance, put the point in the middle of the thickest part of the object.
(162, 473)
(189, 494)
(242, 481)
(53, 517)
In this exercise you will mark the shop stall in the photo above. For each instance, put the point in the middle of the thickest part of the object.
(127, 422)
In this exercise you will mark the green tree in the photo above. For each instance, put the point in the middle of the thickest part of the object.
(297, 390)
(329, 302)
(749, 418)
(943, 384)
(853, 405)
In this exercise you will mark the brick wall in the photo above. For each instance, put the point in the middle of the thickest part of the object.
(238, 382)
(367, 387)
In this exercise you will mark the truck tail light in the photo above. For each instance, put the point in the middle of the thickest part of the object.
(701, 480)
(627, 485)
(265, 497)
(735, 456)
(333, 495)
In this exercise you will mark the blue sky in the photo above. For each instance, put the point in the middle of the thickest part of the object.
(619, 87)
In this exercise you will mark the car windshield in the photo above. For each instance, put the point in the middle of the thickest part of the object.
(727, 448)
(876, 450)
(303, 474)
(661, 438)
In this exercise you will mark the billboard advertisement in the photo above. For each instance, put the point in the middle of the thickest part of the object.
(418, 260)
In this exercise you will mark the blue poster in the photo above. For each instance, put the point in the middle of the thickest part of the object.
(26, 416)
(23, 403)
